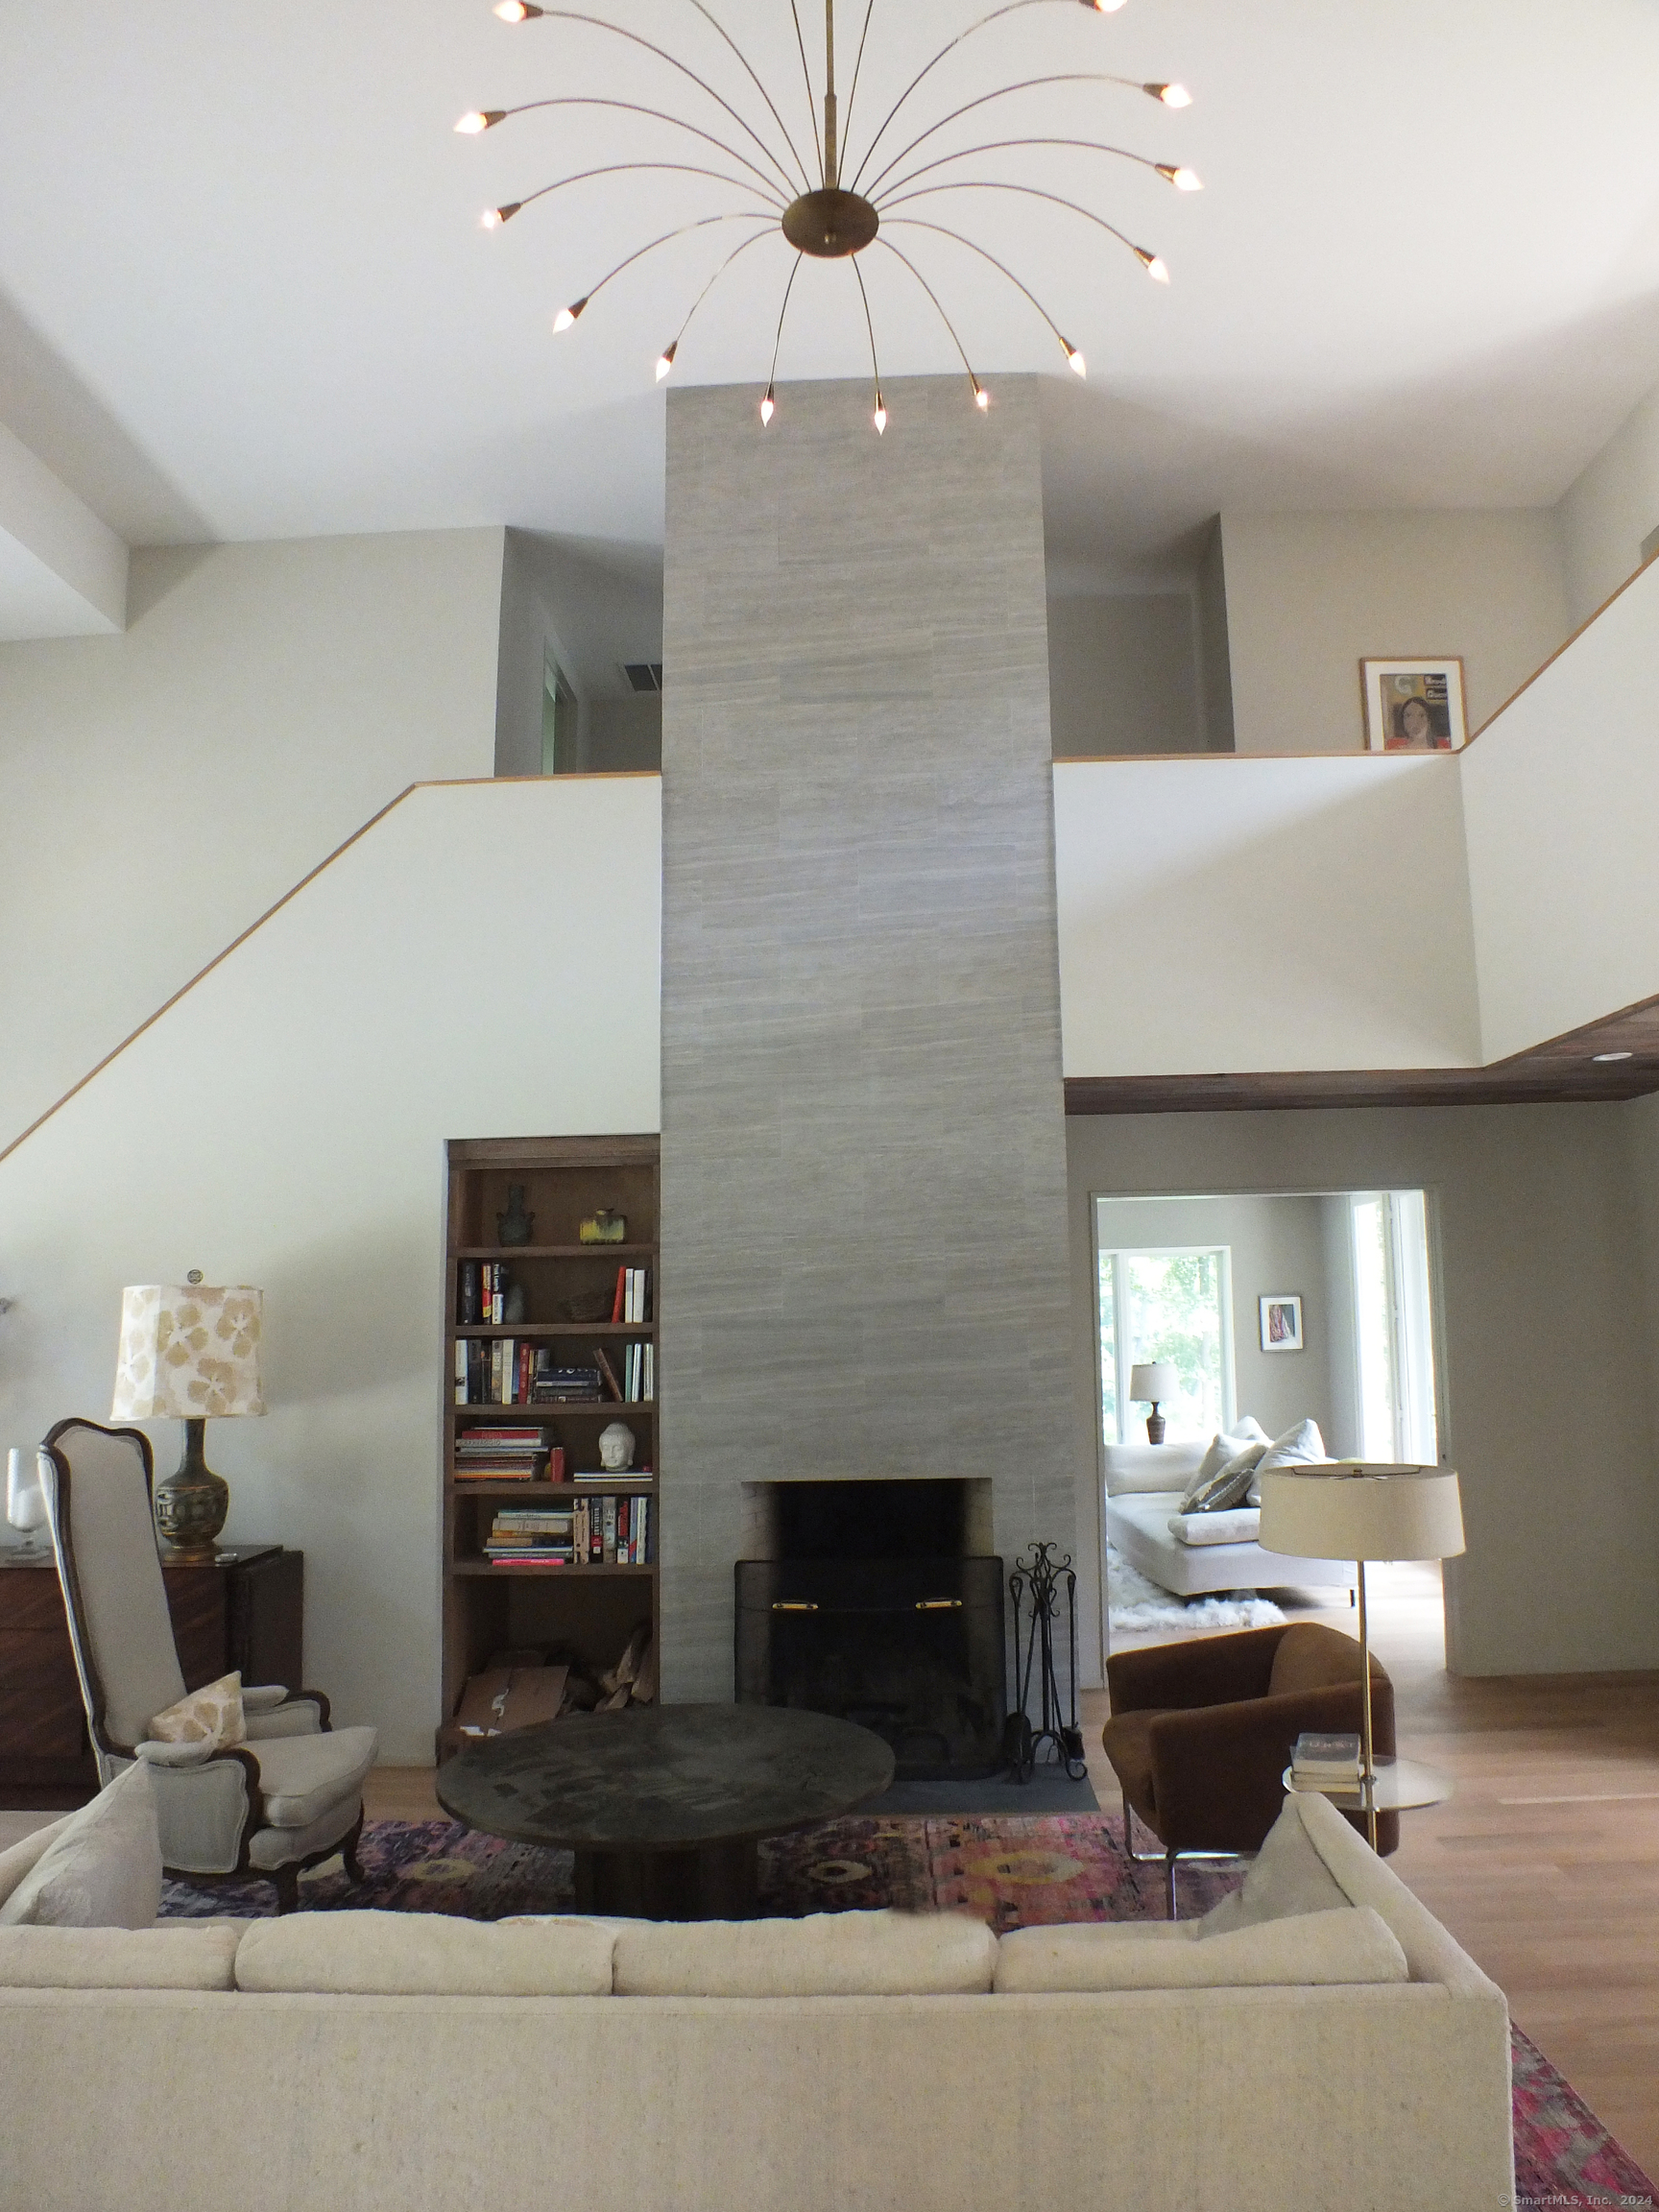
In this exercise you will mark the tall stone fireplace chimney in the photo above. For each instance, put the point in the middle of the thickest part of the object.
(863, 1223)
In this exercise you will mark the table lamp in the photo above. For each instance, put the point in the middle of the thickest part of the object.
(1151, 1385)
(1351, 1510)
(188, 1351)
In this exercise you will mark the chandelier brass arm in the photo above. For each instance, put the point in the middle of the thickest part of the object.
(599, 23)
(880, 415)
(714, 21)
(1073, 359)
(566, 316)
(486, 119)
(1002, 92)
(665, 359)
(1009, 8)
(1183, 180)
(981, 397)
(1151, 262)
(495, 216)
(769, 403)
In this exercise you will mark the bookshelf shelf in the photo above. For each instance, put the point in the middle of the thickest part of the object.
(584, 1613)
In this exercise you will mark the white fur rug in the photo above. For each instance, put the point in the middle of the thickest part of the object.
(1137, 1602)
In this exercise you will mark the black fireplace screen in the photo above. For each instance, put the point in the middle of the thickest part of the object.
(911, 1647)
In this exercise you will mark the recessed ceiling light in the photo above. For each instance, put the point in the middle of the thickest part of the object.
(1612, 1055)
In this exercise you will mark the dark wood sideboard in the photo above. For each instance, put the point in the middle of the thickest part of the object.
(243, 1609)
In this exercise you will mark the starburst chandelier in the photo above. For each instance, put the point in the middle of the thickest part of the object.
(858, 198)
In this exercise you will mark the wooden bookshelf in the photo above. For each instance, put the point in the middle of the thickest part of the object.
(590, 1610)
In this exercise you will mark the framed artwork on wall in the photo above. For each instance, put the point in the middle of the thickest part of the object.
(1413, 705)
(1281, 1322)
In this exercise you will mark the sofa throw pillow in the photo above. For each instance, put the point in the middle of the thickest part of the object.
(211, 1715)
(1226, 1445)
(1287, 1879)
(1295, 1447)
(103, 1869)
(1227, 1486)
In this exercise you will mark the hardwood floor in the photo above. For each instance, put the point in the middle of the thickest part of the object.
(1545, 1862)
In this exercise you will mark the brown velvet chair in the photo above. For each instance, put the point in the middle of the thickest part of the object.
(1201, 1732)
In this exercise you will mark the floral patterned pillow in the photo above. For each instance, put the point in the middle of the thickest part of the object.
(211, 1715)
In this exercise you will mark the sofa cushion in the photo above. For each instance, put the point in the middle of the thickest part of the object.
(1287, 1879)
(426, 1955)
(103, 1869)
(175, 1955)
(1128, 1468)
(18, 1859)
(1227, 1444)
(1226, 1486)
(1352, 1943)
(1294, 1448)
(212, 1716)
(884, 1954)
(301, 1776)
(1234, 1525)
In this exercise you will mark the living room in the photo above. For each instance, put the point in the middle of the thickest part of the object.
(496, 953)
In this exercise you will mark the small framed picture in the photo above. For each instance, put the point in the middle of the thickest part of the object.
(1281, 1322)
(1413, 705)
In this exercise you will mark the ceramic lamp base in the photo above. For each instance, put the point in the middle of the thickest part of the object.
(1154, 1427)
(192, 1504)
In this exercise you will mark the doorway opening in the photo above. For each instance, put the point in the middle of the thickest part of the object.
(1277, 1308)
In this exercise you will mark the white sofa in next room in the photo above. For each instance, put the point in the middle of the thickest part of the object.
(1145, 1483)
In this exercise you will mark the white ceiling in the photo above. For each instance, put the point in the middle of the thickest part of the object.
(244, 291)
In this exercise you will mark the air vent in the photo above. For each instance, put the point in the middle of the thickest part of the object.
(643, 674)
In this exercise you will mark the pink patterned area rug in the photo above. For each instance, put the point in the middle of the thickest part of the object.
(1010, 1873)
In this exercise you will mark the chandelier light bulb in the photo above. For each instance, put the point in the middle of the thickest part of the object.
(1153, 264)
(665, 360)
(981, 397)
(480, 119)
(493, 217)
(768, 408)
(1183, 180)
(1074, 360)
(1171, 95)
(1104, 7)
(516, 10)
(880, 415)
(566, 316)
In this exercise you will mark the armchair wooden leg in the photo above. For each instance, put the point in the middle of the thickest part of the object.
(287, 1883)
(349, 1851)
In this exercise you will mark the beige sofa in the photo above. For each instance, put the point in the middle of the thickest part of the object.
(1144, 1487)
(322, 2066)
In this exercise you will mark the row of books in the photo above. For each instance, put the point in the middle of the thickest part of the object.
(481, 1293)
(511, 1371)
(592, 1532)
(633, 1300)
(515, 1454)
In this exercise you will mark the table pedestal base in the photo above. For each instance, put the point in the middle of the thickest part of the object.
(716, 1881)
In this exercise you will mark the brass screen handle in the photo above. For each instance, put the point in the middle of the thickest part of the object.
(938, 1604)
(793, 1605)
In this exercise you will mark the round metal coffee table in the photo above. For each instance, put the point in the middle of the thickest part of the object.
(664, 1805)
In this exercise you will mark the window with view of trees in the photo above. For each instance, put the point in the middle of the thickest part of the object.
(1174, 1304)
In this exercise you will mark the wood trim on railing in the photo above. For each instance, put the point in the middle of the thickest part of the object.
(1559, 650)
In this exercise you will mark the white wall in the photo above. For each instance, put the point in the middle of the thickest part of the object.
(484, 963)
(160, 790)
(1309, 595)
(1548, 1349)
(1277, 1244)
(594, 607)
(1123, 674)
(1604, 516)
(1224, 913)
(1559, 799)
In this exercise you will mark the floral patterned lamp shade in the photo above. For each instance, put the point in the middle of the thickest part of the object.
(188, 1351)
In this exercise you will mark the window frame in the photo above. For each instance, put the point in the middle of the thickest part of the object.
(1123, 1360)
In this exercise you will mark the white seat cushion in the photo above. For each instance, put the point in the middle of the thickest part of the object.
(304, 1776)
(1350, 1943)
(1235, 1524)
(175, 1955)
(882, 1954)
(428, 1954)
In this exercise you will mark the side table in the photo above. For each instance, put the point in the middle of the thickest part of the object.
(1400, 1786)
(242, 1609)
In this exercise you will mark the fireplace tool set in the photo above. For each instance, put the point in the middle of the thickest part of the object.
(1038, 1585)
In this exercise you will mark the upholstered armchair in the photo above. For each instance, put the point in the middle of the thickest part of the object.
(292, 1796)
(1201, 1732)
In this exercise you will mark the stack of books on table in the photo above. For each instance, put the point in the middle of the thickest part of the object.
(531, 1537)
(513, 1455)
(1328, 1762)
(567, 1385)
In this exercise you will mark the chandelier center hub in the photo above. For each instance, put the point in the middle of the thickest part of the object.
(830, 225)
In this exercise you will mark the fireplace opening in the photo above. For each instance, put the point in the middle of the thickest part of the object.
(880, 1603)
